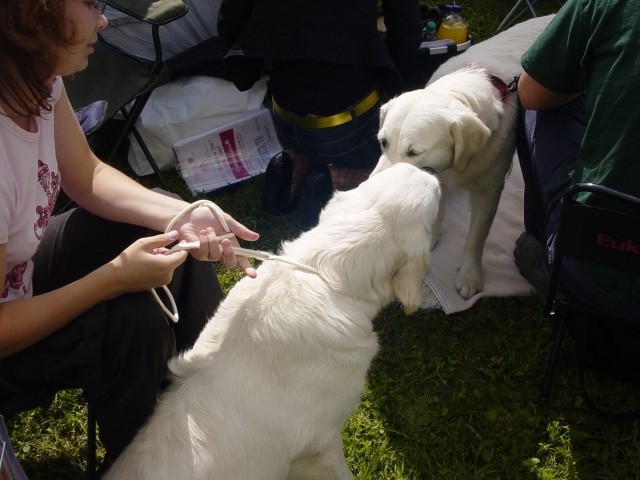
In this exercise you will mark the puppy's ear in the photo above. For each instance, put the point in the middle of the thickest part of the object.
(469, 137)
(383, 111)
(408, 280)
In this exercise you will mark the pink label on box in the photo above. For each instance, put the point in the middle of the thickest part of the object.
(231, 152)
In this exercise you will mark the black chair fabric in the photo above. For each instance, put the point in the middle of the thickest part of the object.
(607, 234)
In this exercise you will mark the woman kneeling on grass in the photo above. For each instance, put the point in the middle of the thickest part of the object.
(76, 309)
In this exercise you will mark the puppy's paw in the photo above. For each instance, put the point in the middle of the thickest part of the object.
(469, 282)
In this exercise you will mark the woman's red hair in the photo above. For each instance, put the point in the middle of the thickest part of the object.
(28, 28)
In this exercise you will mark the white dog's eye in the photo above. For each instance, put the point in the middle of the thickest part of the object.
(412, 153)
(384, 144)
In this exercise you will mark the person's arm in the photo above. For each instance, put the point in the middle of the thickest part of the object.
(535, 96)
(108, 193)
(25, 322)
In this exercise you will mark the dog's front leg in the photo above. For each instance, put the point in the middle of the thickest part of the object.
(483, 206)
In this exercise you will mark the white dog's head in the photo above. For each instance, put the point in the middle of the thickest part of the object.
(441, 126)
(373, 242)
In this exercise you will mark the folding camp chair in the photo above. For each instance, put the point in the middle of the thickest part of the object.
(605, 236)
(518, 10)
(124, 81)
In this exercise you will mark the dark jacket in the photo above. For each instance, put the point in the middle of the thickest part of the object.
(337, 31)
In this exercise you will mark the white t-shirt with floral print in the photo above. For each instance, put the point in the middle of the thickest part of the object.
(29, 186)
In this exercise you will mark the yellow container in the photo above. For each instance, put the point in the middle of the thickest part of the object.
(453, 27)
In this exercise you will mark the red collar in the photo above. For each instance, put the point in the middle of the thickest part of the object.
(502, 87)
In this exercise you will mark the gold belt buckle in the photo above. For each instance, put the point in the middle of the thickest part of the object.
(356, 111)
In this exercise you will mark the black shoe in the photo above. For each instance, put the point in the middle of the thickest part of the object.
(317, 189)
(531, 261)
(276, 193)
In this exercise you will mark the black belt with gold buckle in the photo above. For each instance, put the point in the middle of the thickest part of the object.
(352, 113)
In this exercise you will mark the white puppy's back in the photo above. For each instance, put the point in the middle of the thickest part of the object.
(272, 378)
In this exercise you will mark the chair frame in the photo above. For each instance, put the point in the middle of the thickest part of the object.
(132, 115)
(580, 236)
(143, 11)
(519, 9)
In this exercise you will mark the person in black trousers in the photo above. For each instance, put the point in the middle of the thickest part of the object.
(330, 70)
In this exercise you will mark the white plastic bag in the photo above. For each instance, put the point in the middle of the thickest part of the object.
(184, 108)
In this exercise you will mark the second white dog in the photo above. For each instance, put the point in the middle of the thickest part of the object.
(265, 392)
(463, 126)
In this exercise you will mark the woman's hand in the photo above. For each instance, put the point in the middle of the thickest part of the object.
(143, 266)
(203, 225)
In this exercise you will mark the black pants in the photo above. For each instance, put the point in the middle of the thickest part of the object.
(117, 352)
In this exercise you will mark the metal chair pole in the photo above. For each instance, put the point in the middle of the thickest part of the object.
(508, 20)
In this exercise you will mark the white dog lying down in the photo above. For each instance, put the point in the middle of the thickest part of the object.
(463, 125)
(266, 390)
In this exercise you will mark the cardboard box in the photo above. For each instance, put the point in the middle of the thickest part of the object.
(228, 154)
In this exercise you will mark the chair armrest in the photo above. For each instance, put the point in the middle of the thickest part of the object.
(155, 12)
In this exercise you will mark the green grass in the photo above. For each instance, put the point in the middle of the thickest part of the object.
(448, 397)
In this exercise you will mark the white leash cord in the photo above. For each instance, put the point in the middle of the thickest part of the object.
(245, 252)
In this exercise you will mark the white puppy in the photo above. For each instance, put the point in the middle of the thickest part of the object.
(265, 392)
(463, 126)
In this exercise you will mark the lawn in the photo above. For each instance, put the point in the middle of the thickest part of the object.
(448, 397)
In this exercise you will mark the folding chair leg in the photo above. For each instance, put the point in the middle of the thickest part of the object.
(130, 118)
(130, 128)
(91, 444)
(149, 157)
(555, 350)
(511, 17)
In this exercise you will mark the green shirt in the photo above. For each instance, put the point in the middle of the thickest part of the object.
(594, 46)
